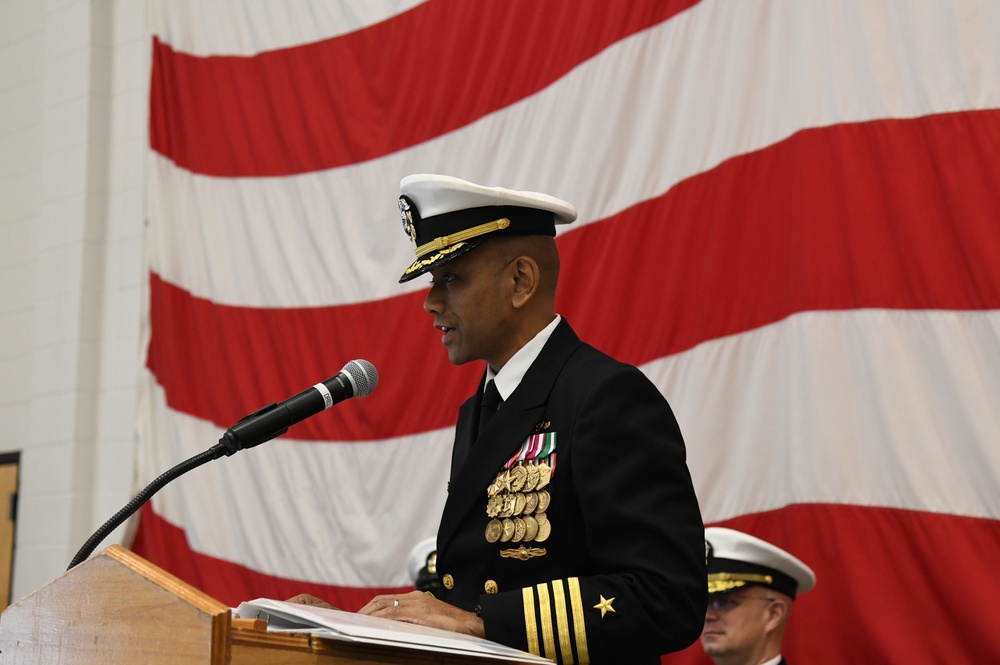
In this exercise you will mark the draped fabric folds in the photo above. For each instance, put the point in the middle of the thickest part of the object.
(789, 220)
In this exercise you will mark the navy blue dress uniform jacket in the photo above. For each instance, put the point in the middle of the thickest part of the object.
(621, 576)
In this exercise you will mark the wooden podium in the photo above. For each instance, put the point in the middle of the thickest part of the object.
(116, 607)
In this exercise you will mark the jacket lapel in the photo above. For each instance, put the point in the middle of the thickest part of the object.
(465, 431)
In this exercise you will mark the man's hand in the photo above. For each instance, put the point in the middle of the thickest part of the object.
(424, 609)
(306, 599)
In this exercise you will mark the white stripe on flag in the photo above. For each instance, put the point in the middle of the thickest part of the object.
(338, 228)
(882, 408)
(233, 27)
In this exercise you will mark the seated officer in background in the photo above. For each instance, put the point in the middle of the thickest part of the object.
(751, 586)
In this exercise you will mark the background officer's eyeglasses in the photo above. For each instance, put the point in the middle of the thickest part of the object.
(727, 601)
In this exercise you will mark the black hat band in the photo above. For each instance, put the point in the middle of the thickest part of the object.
(521, 221)
(441, 242)
(728, 574)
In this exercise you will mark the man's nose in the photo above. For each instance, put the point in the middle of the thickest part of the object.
(432, 303)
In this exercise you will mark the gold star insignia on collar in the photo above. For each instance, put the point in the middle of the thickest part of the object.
(605, 606)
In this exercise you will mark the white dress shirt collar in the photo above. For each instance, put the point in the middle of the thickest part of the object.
(510, 375)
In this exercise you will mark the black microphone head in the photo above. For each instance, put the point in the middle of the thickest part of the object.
(362, 375)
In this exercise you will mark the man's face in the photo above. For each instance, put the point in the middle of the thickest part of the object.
(470, 299)
(736, 622)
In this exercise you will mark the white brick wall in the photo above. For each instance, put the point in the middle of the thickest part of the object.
(73, 108)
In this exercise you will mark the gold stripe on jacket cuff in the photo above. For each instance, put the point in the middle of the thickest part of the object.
(562, 621)
(530, 625)
(545, 612)
(579, 627)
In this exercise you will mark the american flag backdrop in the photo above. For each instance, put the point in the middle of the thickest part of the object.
(789, 220)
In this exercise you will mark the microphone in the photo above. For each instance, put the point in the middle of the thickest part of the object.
(357, 379)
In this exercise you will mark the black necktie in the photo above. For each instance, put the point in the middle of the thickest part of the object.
(491, 402)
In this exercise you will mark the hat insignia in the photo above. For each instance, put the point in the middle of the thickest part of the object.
(406, 215)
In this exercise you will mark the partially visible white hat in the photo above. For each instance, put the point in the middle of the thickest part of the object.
(446, 216)
(418, 557)
(736, 559)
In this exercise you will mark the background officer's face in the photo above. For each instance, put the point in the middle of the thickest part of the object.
(737, 622)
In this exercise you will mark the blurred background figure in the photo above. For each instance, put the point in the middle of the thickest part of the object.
(422, 566)
(751, 587)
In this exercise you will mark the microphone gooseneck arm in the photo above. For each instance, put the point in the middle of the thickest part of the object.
(215, 452)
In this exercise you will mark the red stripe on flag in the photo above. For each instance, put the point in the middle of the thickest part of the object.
(323, 105)
(897, 214)
(216, 362)
(885, 577)
(890, 214)
(166, 546)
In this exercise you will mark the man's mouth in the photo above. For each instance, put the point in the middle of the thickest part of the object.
(447, 330)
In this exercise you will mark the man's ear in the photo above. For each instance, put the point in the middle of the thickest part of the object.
(777, 612)
(527, 277)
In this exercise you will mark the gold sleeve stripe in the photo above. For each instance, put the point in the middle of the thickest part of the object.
(562, 620)
(579, 628)
(530, 626)
(545, 610)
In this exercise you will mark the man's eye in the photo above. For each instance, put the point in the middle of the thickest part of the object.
(443, 279)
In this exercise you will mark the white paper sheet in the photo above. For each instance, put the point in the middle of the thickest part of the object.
(283, 616)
